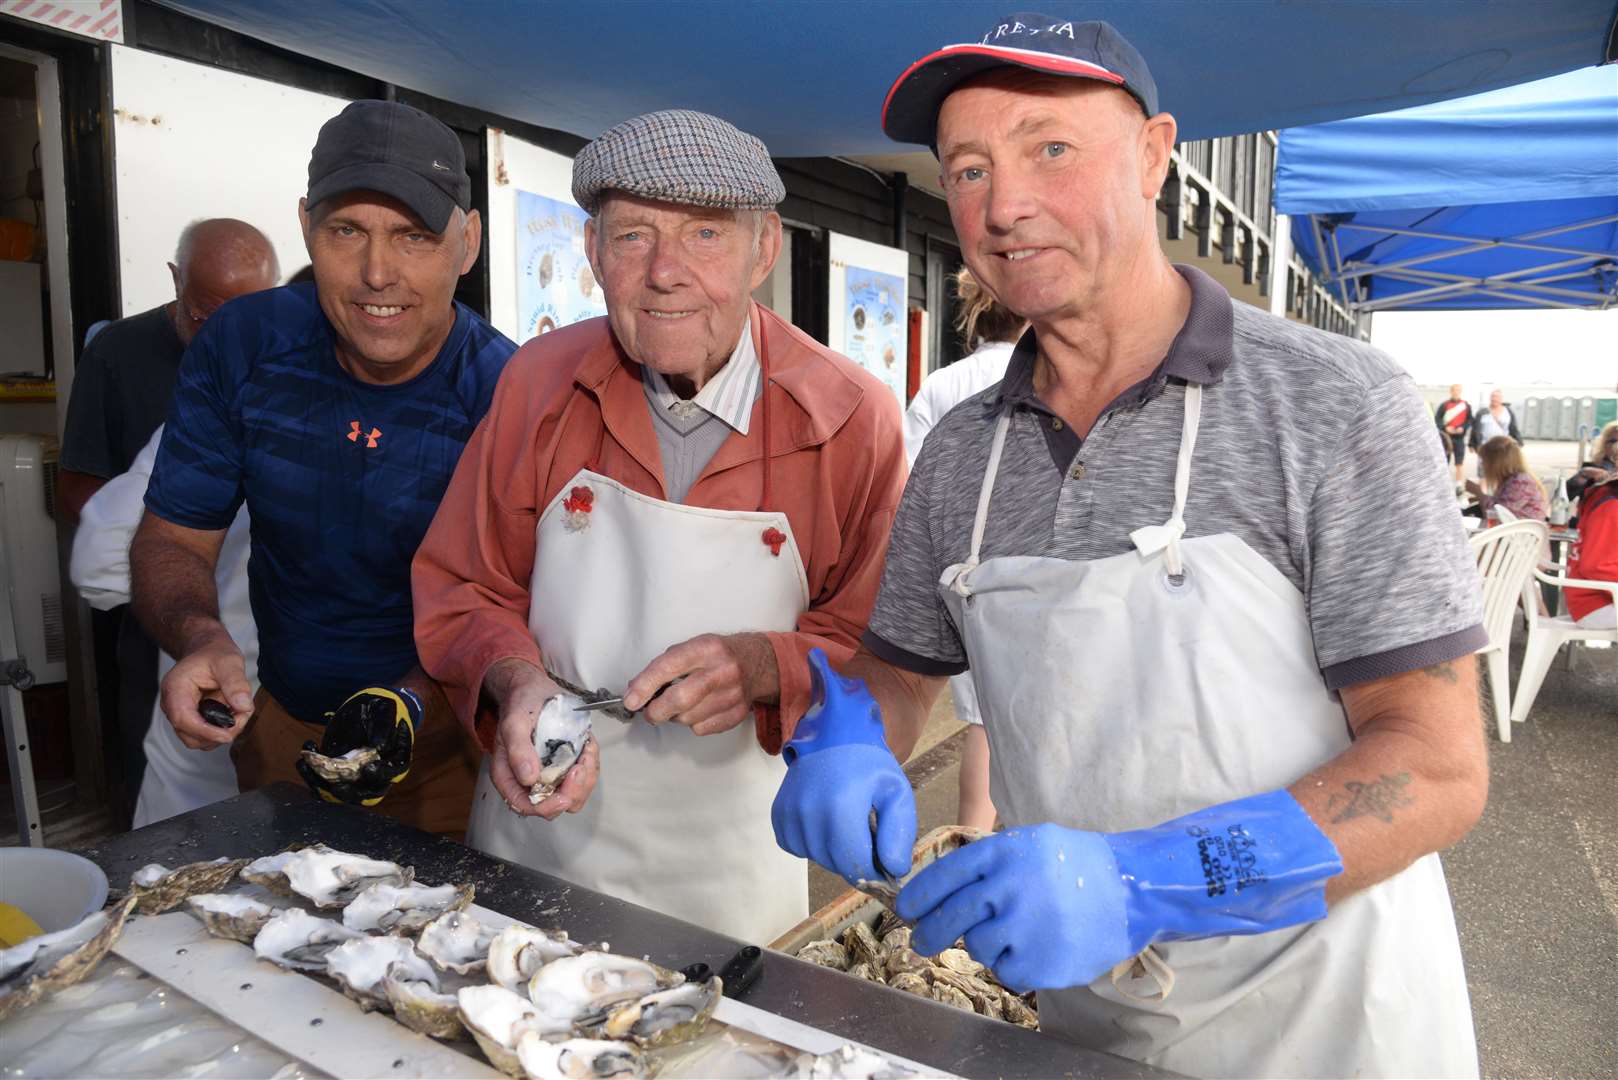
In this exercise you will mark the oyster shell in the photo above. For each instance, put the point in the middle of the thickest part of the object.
(959, 960)
(904, 960)
(863, 947)
(896, 939)
(403, 909)
(559, 737)
(231, 915)
(863, 970)
(950, 995)
(583, 990)
(422, 1006)
(456, 941)
(930, 848)
(49, 962)
(360, 965)
(158, 889)
(825, 953)
(298, 940)
(518, 952)
(1017, 1011)
(911, 983)
(332, 879)
(496, 1017)
(343, 769)
(269, 872)
(577, 1059)
(665, 1017)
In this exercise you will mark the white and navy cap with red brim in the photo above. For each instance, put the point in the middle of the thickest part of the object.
(1084, 50)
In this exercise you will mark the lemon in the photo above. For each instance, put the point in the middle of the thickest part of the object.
(15, 926)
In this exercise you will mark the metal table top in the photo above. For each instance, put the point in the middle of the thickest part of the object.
(266, 821)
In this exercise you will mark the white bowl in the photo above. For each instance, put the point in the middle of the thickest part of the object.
(55, 888)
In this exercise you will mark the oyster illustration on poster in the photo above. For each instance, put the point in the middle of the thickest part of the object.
(554, 284)
(874, 329)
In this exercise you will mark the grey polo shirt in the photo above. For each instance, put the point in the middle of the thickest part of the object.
(1314, 449)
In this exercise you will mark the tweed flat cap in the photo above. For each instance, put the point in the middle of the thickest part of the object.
(678, 156)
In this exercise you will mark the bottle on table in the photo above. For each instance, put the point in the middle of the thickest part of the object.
(1559, 503)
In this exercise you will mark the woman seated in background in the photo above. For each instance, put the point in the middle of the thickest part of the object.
(1594, 556)
(1603, 467)
(1507, 481)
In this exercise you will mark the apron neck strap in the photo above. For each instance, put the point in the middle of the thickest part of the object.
(1166, 537)
(989, 474)
(764, 420)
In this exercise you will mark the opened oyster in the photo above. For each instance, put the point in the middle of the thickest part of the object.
(332, 879)
(496, 1017)
(231, 915)
(559, 738)
(577, 1059)
(582, 991)
(456, 941)
(270, 872)
(345, 768)
(296, 939)
(403, 909)
(930, 848)
(422, 1005)
(158, 889)
(663, 1017)
(360, 965)
(49, 962)
(518, 952)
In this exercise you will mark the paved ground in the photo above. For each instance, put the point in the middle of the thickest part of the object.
(1535, 886)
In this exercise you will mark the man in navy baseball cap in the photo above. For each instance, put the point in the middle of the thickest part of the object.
(1207, 723)
(1084, 50)
(395, 149)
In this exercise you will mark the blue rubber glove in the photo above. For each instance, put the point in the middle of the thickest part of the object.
(1048, 907)
(840, 770)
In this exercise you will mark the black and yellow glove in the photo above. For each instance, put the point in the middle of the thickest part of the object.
(378, 718)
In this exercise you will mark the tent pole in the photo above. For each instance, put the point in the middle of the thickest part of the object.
(1280, 260)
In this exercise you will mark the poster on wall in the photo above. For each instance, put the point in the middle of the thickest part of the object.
(869, 308)
(874, 327)
(554, 284)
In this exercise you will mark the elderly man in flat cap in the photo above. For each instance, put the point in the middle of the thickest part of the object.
(675, 503)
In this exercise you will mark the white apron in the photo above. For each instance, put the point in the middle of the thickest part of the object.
(678, 822)
(1162, 681)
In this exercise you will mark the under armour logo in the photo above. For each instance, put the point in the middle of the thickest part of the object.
(355, 433)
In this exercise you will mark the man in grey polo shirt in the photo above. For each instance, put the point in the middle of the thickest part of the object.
(1222, 639)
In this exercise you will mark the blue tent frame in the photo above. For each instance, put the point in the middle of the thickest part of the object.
(1502, 200)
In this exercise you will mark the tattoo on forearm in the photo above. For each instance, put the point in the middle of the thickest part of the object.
(1371, 798)
(1445, 672)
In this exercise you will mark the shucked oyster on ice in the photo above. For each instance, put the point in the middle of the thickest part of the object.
(665, 1017)
(559, 738)
(583, 991)
(422, 1005)
(577, 1059)
(231, 915)
(403, 909)
(296, 939)
(849, 1063)
(456, 941)
(332, 879)
(158, 889)
(360, 965)
(517, 952)
(496, 1017)
(49, 962)
(270, 872)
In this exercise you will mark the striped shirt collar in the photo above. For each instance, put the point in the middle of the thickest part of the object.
(729, 395)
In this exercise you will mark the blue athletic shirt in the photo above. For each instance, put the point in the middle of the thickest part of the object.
(341, 479)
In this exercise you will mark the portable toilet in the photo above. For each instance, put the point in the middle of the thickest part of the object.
(1530, 418)
(1606, 411)
(1587, 416)
(1567, 423)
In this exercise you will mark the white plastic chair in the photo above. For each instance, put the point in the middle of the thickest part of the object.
(1506, 556)
(1547, 634)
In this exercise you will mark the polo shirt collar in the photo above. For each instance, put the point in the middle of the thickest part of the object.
(1199, 353)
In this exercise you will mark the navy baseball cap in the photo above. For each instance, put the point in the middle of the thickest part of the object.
(1083, 50)
(395, 149)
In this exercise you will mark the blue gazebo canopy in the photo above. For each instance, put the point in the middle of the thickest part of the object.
(1507, 199)
(809, 76)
